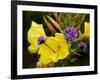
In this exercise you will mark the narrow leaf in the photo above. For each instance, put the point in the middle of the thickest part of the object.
(56, 16)
(81, 21)
(56, 25)
(50, 27)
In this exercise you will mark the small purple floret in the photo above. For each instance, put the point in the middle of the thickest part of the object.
(70, 33)
(82, 45)
(41, 40)
(69, 37)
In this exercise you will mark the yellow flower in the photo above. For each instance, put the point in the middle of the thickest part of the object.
(54, 49)
(35, 31)
(86, 29)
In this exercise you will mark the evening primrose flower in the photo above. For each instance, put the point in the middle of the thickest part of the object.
(53, 49)
(86, 29)
(35, 31)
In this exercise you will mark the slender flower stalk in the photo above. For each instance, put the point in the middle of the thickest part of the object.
(50, 47)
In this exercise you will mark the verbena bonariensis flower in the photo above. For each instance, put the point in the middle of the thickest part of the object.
(70, 33)
(53, 49)
(82, 45)
(41, 40)
(69, 37)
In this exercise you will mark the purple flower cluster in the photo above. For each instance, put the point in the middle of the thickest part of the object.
(70, 33)
(82, 45)
(41, 40)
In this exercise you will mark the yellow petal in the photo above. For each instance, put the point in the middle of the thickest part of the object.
(35, 31)
(33, 48)
(45, 60)
(63, 51)
(55, 48)
(87, 29)
(48, 52)
(60, 37)
(52, 42)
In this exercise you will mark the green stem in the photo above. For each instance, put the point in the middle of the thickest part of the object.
(80, 38)
(74, 52)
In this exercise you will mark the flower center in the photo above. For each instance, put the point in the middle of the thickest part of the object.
(59, 47)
